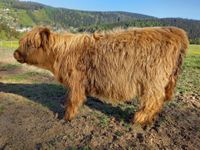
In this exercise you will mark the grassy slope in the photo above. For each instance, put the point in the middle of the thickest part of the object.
(29, 14)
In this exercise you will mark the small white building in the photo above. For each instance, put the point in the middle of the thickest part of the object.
(23, 29)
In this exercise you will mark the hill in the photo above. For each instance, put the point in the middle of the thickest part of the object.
(31, 13)
(22, 15)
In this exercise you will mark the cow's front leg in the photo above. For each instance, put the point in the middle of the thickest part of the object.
(74, 100)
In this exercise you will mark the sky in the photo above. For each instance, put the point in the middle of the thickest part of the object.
(189, 9)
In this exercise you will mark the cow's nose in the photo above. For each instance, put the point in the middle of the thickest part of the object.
(17, 55)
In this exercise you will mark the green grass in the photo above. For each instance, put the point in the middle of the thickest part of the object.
(9, 44)
(118, 133)
(104, 120)
(190, 78)
(194, 50)
(21, 77)
(30, 75)
(6, 67)
(2, 108)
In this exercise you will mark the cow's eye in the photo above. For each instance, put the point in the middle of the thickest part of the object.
(28, 45)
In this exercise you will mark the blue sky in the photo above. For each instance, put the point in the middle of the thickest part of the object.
(159, 8)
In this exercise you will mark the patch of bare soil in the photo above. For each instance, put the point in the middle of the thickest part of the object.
(31, 118)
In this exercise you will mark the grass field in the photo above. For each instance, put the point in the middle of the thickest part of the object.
(9, 44)
(31, 111)
(190, 79)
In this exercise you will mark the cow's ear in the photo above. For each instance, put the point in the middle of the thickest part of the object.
(44, 34)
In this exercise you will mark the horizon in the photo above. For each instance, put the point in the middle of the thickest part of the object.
(155, 8)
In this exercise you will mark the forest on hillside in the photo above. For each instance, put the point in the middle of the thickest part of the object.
(6, 33)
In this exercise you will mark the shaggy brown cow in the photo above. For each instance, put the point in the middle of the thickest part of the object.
(116, 65)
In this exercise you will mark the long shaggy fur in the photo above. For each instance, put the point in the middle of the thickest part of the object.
(116, 66)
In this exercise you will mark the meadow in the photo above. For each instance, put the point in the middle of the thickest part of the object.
(31, 111)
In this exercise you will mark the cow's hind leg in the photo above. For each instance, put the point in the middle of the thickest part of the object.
(151, 103)
(169, 89)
